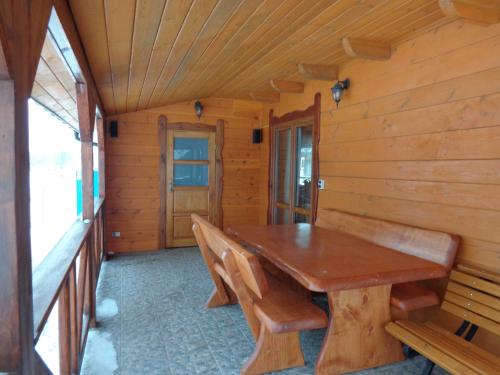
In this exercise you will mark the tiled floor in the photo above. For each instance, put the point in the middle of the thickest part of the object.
(152, 321)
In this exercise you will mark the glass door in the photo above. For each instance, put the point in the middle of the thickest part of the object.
(292, 174)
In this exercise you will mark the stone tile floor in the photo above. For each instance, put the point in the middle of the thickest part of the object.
(152, 320)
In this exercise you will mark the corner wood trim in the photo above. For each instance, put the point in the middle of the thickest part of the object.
(219, 172)
(162, 182)
(313, 111)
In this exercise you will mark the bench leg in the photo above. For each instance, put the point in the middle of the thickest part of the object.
(221, 297)
(274, 352)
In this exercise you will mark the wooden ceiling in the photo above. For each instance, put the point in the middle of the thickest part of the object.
(147, 53)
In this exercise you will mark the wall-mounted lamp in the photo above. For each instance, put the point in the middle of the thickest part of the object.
(338, 90)
(198, 109)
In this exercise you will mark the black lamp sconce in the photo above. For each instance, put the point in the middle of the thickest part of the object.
(338, 90)
(198, 109)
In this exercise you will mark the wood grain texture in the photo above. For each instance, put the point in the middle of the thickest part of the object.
(324, 260)
(414, 141)
(146, 54)
(133, 164)
(356, 337)
(469, 298)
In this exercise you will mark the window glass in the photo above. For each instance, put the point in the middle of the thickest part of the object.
(283, 150)
(304, 167)
(190, 149)
(190, 175)
(55, 167)
(95, 150)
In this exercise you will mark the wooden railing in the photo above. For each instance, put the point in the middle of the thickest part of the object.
(68, 275)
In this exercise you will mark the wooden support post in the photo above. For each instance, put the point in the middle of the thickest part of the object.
(366, 49)
(318, 72)
(265, 96)
(477, 11)
(23, 25)
(86, 119)
(65, 329)
(162, 182)
(283, 86)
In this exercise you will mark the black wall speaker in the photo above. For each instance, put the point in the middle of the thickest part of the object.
(113, 129)
(257, 136)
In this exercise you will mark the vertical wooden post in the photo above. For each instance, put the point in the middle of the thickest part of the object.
(21, 37)
(73, 296)
(65, 329)
(162, 182)
(86, 120)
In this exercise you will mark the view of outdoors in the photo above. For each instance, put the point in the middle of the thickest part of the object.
(56, 199)
(55, 166)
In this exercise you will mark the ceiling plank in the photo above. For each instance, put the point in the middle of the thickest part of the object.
(85, 20)
(318, 71)
(195, 20)
(148, 16)
(366, 49)
(220, 15)
(265, 96)
(478, 11)
(340, 18)
(283, 86)
(120, 17)
(172, 19)
(225, 41)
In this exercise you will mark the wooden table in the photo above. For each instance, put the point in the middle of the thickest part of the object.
(357, 277)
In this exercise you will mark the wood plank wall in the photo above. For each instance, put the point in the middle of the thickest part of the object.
(132, 159)
(417, 138)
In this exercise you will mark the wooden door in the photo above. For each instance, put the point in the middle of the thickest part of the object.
(191, 183)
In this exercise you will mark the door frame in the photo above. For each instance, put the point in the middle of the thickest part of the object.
(314, 112)
(163, 126)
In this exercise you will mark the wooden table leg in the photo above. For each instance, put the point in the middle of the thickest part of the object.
(356, 338)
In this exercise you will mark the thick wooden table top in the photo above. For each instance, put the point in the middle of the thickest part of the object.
(323, 260)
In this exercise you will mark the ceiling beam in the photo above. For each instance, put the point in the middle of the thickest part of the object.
(477, 11)
(318, 72)
(283, 86)
(265, 96)
(366, 49)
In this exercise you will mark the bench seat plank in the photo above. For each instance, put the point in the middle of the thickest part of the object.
(411, 296)
(477, 319)
(284, 310)
(474, 295)
(452, 346)
(429, 351)
(476, 283)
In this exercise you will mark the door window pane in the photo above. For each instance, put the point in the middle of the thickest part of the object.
(304, 167)
(282, 216)
(190, 149)
(191, 175)
(283, 150)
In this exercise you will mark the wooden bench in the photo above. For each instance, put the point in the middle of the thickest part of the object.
(435, 246)
(275, 312)
(473, 295)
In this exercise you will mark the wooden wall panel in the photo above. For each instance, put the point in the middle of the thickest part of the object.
(416, 139)
(133, 160)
